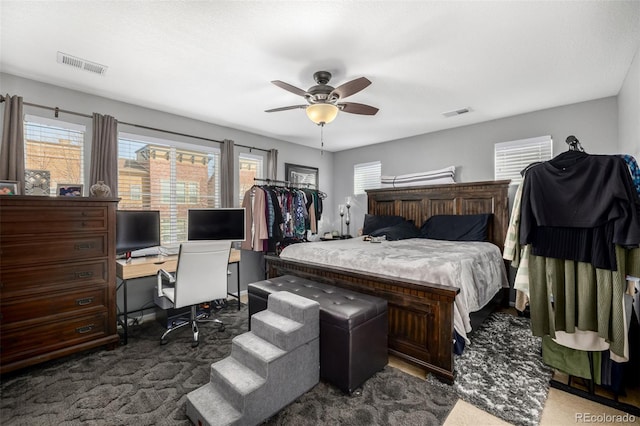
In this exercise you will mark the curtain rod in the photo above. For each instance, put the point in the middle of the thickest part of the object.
(57, 110)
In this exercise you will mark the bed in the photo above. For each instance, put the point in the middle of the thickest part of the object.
(422, 315)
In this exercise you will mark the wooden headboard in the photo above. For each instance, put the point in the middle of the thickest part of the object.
(421, 202)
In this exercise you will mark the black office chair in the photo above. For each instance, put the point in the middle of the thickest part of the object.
(200, 277)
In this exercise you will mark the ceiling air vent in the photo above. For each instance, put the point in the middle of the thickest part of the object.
(457, 112)
(81, 64)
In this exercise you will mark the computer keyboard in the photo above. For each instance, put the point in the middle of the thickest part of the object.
(151, 251)
(170, 250)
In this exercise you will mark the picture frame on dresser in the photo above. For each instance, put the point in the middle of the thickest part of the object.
(69, 189)
(9, 187)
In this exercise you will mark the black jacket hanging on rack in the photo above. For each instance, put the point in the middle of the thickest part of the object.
(579, 206)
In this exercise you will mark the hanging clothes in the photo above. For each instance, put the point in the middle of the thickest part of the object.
(574, 237)
(280, 215)
(578, 206)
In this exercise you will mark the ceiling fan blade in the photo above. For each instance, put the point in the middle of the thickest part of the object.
(290, 88)
(350, 87)
(355, 108)
(286, 108)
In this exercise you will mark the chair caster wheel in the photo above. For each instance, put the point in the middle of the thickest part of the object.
(221, 328)
(195, 344)
(163, 342)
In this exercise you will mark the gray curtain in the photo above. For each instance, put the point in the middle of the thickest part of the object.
(12, 148)
(272, 164)
(104, 152)
(227, 173)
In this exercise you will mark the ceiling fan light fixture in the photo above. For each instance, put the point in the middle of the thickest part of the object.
(322, 113)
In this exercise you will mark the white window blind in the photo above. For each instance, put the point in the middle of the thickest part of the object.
(250, 166)
(54, 154)
(172, 177)
(512, 157)
(366, 176)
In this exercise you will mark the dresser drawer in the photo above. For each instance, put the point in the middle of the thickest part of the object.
(53, 277)
(15, 310)
(48, 336)
(18, 220)
(17, 251)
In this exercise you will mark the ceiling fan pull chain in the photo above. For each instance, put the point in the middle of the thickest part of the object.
(322, 139)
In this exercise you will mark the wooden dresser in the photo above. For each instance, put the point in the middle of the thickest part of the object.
(57, 277)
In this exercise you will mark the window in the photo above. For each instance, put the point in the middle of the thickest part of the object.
(164, 175)
(366, 176)
(53, 153)
(249, 167)
(512, 157)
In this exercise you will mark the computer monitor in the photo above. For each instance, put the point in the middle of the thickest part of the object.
(216, 224)
(137, 229)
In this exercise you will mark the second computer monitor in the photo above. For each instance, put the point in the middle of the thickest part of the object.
(216, 224)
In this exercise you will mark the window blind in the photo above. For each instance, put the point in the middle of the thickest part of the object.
(366, 176)
(54, 149)
(514, 156)
(249, 167)
(158, 174)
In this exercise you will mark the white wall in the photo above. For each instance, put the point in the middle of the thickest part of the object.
(629, 110)
(470, 148)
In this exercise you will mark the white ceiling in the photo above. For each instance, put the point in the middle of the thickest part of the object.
(214, 60)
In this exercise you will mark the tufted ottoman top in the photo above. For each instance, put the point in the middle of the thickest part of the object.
(344, 308)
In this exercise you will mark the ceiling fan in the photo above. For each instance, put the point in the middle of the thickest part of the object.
(324, 101)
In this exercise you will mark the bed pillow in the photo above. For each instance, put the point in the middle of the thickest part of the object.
(374, 222)
(401, 231)
(472, 227)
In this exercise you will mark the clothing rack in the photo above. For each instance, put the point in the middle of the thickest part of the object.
(590, 393)
(288, 184)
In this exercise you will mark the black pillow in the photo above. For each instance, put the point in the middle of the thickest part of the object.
(472, 227)
(401, 231)
(373, 222)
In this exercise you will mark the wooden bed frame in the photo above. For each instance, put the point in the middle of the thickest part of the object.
(420, 313)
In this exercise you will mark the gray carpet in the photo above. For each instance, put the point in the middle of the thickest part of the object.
(144, 383)
(501, 371)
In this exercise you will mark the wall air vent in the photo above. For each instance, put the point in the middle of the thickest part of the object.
(81, 64)
(457, 112)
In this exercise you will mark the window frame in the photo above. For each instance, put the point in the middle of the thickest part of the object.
(168, 197)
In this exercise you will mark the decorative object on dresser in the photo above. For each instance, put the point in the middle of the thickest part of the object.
(58, 274)
(9, 187)
(100, 189)
(69, 189)
(421, 314)
(36, 182)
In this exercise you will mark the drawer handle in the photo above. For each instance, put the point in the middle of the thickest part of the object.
(84, 246)
(85, 329)
(85, 301)
(84, 274)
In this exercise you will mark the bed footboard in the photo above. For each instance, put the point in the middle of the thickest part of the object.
(420, 314)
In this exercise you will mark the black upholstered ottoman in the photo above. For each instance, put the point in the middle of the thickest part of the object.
(353, 328)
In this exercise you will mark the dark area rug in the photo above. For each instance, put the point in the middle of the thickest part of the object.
(144, 383)
(502, 372)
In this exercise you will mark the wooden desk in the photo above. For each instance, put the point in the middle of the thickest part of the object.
(149, 266)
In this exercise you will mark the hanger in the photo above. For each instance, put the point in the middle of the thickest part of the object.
(574, 144)
(574, 154)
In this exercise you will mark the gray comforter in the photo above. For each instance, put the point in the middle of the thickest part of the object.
(476, 268)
